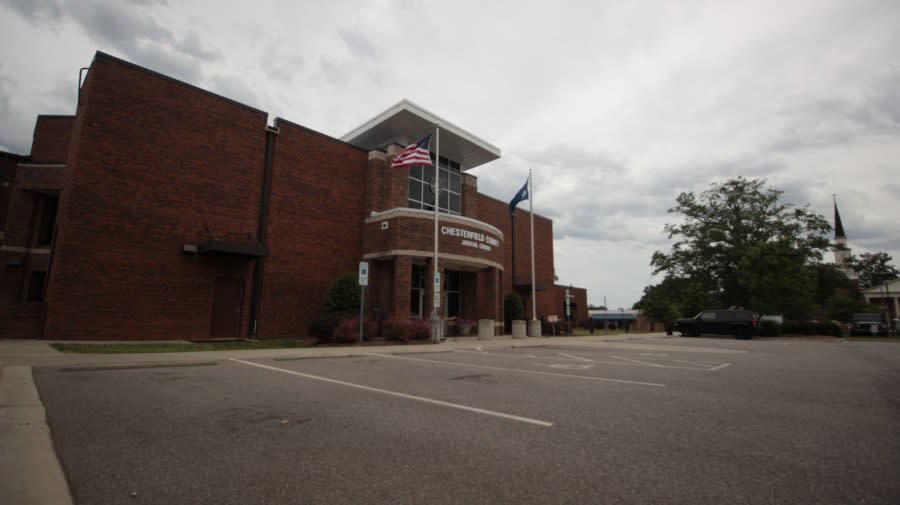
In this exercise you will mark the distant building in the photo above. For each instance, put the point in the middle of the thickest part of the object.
(163, 211)
(886, 298)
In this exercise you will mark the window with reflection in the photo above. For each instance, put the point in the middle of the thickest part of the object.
(421, 189)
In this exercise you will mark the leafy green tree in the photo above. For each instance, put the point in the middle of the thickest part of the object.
(686, 296)
(838, 296)
(873, 269)
(343, 296)
(656, 305)
(734, 235)
(777, 280)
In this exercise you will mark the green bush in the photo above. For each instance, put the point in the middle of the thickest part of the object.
(836, 330)
(769, 329)
(513, 308)
(323, 327)
(343, 296)
(811, 328)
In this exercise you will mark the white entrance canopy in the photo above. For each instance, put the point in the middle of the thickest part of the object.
(406, 122)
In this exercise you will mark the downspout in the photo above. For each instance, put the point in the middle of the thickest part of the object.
(271, 134)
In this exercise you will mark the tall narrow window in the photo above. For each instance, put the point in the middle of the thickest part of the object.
(49, 205)
(36, 286)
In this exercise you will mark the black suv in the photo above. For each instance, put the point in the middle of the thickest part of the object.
(738, 322)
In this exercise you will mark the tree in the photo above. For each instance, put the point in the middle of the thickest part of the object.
(740, 244)
(343, 296)
(838, 296)
(685, 297)
(656, 306)
(873, 268)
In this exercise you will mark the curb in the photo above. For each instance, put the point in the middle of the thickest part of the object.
(28, 463)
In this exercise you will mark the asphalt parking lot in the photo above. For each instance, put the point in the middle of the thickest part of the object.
(649, 421)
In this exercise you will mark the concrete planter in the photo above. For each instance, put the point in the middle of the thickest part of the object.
(518, 329)
(534, 328)
(485, 329)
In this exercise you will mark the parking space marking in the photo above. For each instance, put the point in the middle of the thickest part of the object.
(723, 365)
(657, 365)
(398, 394)
(576, 358)
(516, 370)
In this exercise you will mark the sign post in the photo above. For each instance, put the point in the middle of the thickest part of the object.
(437, 330)
(363, 282)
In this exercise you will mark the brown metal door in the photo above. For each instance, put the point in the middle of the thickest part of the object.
(228, 298)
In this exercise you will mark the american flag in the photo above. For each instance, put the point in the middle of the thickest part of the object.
(414, 154)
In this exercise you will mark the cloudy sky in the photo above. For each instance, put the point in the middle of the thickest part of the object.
(617, 105)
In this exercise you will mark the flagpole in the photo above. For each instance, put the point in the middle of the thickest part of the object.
(436, 330)
(531, 211)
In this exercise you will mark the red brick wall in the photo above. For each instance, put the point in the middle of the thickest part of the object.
(152, 163)
(51, 139)
(578, 303)
(8, 164)
(315, 226)
(495, 212)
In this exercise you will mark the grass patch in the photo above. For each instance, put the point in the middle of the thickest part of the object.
(177, 346)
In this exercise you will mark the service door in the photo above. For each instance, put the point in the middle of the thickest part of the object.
(228, 298)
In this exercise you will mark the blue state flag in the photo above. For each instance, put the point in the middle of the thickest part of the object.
(521, 195)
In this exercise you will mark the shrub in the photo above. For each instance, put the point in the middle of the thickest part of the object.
(343, 296)
(347, 330)
(769, 329)
(420, 329)
(323, 327)
(396, 328)
(836, 329)
(811, 328)
(513, 308)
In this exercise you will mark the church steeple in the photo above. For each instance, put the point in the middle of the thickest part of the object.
(838, 225)
(841, 251)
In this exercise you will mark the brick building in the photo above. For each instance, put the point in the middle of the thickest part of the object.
(163, 211)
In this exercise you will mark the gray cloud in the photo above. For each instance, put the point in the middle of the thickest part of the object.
(280, 67)
(129, 29)
(334, 72)
(359, 45)
(36, 10)
(235, 88)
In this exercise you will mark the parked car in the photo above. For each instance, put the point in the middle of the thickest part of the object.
(864, 323)
(741, 323)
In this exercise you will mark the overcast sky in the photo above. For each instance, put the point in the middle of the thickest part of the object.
(618, 106)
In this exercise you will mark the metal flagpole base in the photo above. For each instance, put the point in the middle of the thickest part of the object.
(437, 327)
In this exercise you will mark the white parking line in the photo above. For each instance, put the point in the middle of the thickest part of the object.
(577, 358)
(723, 365)
(400, 395)
(656, 365)
(516, 370)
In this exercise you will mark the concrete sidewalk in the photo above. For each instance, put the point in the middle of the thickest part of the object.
(30, 352)
(30, 470)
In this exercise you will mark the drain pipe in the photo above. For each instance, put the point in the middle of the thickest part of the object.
(271, 134)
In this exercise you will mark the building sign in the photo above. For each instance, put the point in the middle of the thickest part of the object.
(470, 238)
